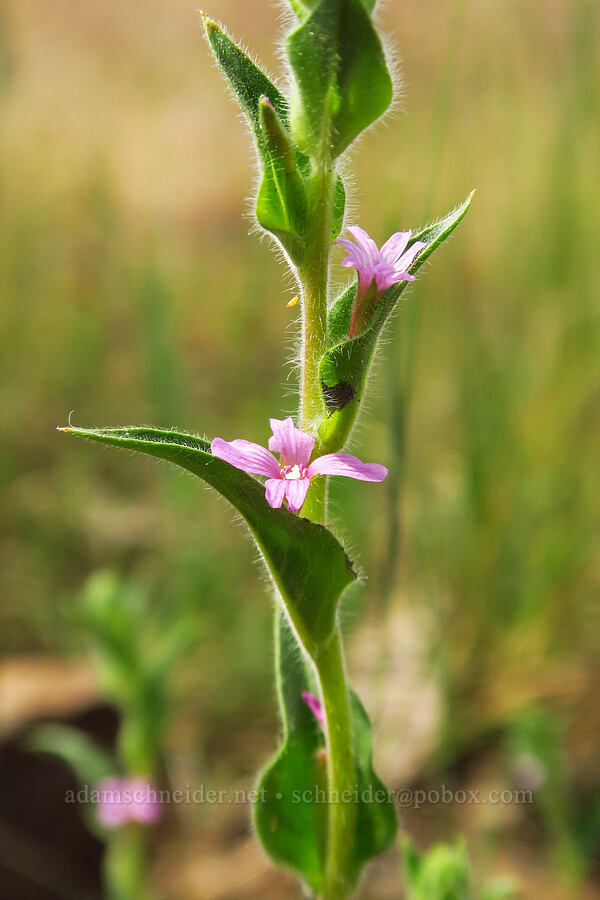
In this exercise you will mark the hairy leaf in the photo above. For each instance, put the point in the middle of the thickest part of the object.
(289, 819)
(306, 562)
(341, 80)
(292, 830)
(344, 367)
(279, 201)
(281, 204)
(245, 79)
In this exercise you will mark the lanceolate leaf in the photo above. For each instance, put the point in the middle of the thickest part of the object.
(376, 821)
(281, 201)
(89, 762)
(344, 367)
(290, 816)
(342, 83)
(250, 86)
(246, 80)
(290, 826)
(306, 562)
(281, 204)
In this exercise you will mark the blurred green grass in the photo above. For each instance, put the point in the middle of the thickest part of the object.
(131, 292)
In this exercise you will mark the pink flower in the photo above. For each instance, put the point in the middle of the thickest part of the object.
(291, 476)
(377, 269)
(123, 800)
(315, 706)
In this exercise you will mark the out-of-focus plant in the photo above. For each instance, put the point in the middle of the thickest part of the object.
(135, 648)
(339, 85)
(443, 873)
(536, 742)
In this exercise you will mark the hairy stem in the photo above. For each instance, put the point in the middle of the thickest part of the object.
(314, 274)
(341, 776)
(315, 505)
(328, 658)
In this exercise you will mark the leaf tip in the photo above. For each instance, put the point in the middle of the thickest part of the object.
(209, 24)
(68, 427)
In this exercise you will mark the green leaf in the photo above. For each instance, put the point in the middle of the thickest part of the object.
(112, 612)
(281, 204)
(132, 656)
(245, 79)
(440, 874)
(292, 830)
(306, 562)
(344, 367)
(303, 8)
(341, 80)
(290, 821)
(281, 200)
(89, 762)
(412, 861)
(377, 822)
(499, 888)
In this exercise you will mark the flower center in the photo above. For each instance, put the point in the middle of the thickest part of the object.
(294, 473)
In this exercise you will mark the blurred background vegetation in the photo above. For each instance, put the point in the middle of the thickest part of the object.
(132, 292)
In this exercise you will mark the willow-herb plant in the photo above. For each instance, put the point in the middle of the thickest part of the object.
(339, 85)
(135, 649)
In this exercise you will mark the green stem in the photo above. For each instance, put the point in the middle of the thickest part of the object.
(328, 658)
(125, 864)
(341, 778)
(315, 505)
(341, 775)
(314, 275)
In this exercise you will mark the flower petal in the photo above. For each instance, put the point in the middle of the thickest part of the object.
(385, 276)
(397, 277)
(145, 806)
(395, 246)
(246, 456)
(365, 242)
(112, 812)
(274, 492)
(348, 465)
(407, 259)
(293, 445)
(295, 492)
(315, 706)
